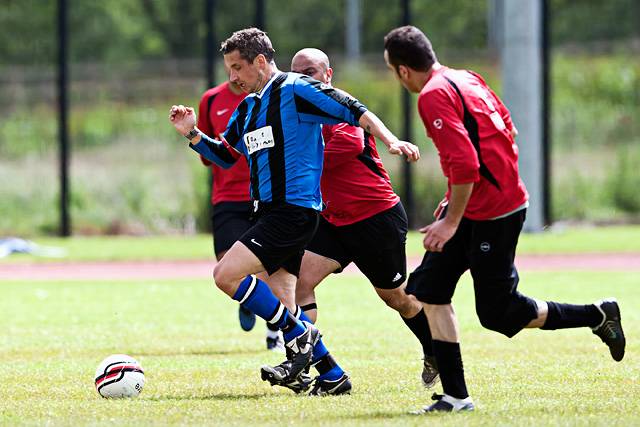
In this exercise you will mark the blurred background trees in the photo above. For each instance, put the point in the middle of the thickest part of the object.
(130, 59)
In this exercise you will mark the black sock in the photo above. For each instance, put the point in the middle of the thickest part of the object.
(272, 327)
(564, 316)
(419, 325)
(450, 368)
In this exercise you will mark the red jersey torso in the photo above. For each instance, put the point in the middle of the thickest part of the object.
(354, 183)
(471, 128)
(216, 107)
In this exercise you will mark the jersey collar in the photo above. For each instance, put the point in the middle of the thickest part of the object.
(259, 94)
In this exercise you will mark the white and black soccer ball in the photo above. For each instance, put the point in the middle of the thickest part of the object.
(119, 376)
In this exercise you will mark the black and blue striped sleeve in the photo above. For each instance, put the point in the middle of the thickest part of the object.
(321, 103)
(235, 127)
(218, 152)
(225, 153)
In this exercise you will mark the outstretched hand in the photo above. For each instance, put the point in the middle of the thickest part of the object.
(408, 149)
(183, 118)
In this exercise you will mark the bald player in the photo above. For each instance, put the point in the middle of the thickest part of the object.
(364, 221)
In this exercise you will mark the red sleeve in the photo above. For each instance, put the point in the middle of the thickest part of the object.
(342, 143)
(442, 114)
(203, 121)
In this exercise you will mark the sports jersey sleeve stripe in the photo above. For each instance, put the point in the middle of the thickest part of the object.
(235, 127)
(215, 151)
(276, 154)
(333, 104)
(309, 112)
(253, 158)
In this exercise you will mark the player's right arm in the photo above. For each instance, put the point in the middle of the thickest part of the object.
(442, 117)
(372, 124)
(220, 152)
(321, 103)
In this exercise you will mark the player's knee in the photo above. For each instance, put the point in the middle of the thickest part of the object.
(507, 319)
(397, 300)
(305, 284)
(303, 295)
(492, 320)
(223, 280)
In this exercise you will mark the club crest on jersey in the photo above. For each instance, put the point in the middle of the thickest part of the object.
(437, 123)
(259, 139)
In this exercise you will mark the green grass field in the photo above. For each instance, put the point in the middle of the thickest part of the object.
(570, 240)
(201, 369)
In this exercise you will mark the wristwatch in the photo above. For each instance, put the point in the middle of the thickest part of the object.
(192, 134)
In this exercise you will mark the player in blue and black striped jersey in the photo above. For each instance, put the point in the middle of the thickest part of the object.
(277, 127)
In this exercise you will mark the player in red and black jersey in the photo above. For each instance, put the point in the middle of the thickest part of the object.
(232, 205)
(363, 221)
(478, 223)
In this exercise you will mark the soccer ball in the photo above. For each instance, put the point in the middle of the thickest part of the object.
(119, 376)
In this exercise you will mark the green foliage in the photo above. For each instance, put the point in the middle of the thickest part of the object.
(124, 30)
(593, 20)
(596, 101)
(624, 181)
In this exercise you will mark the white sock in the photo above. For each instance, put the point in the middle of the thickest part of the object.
(272, 334)
(457, 403)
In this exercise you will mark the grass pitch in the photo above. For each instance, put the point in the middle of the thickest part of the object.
(201, 369)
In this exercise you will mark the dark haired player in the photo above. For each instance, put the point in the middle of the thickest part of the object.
(230, 190)
(277, 128)
(478, 224)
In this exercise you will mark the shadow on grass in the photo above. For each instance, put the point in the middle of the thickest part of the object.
(379, 415)
(214, 396)
(196, 352)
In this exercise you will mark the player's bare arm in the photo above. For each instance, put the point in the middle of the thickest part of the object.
(373, 125)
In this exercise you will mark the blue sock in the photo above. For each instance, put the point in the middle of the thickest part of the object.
(326, 365)
(255, 294)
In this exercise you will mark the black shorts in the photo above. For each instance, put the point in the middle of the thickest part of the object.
(229, 221)
(488, 249)
(279, 235)
(376, 245)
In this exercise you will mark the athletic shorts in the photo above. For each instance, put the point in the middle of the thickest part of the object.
(376, 245)
(229, 221)
(488, 249)
(279, 235)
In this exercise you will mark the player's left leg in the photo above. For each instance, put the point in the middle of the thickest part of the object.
(229, 221)
(377, 245)
(330, 373)
(323, 255)
(434, 283)
(502, 308)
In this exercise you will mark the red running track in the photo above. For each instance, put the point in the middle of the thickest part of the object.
(202, 269)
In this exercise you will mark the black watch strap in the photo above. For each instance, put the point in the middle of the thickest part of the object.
(192, 134)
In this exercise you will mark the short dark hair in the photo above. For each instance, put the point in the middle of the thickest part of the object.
(409, 46)
(250, 42)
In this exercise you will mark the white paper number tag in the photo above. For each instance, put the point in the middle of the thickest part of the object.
(259, 139)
